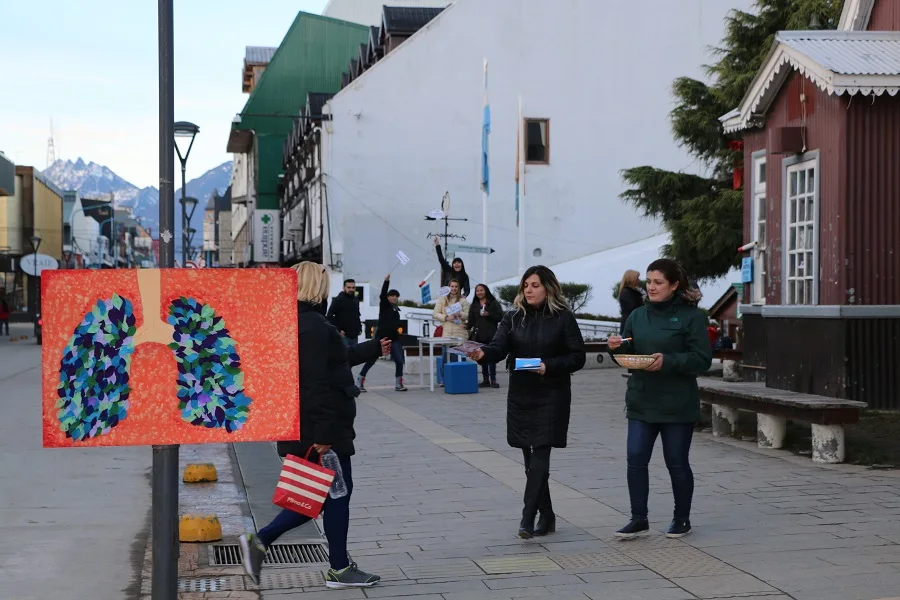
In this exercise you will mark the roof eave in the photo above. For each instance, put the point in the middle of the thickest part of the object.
(240, 141)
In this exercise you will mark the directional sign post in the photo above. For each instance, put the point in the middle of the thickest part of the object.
(471, 249)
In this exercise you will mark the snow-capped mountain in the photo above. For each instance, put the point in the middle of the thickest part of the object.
(99, 182)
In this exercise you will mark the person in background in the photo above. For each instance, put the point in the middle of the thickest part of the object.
(327, 413)
(712, 331)
(4, 316)
(484, 316)
(456, 271)
(539, 402)
(344, 313)
(388, 327)
(664, 400)
(454, 322)
(631, 296)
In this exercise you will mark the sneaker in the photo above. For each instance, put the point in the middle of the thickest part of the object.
(253, 554)
(495, 385)
(485, 384)
(400, 387)
(679, 528)
(634, 528)
(361, 384)
(350, 577)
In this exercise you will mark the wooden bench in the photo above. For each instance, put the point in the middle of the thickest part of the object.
(774, 407)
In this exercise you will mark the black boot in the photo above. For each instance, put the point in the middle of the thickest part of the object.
(485, 383)
(547, 520)
(531, 499)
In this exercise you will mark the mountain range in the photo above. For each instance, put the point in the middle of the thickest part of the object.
(99, 182)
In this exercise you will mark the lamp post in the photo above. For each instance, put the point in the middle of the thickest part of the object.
(36, 286)
(185, 131)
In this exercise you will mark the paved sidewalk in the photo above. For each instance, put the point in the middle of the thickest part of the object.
(438, 499)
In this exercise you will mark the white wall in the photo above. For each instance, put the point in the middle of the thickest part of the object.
(368, 12)
(85, 231)
(409, 129)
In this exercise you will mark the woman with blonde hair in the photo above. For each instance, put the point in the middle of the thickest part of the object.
(630, 296)
(452, 312)
(538, 404)
(328, 409)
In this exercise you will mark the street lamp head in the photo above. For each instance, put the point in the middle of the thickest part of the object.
(35, 242)
(189, 201)
(185, 131)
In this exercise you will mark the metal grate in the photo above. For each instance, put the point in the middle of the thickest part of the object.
(227, 555)
(286, 580)
(211, 584)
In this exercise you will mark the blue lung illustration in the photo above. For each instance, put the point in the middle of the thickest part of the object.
(93, 376)
(210, 380)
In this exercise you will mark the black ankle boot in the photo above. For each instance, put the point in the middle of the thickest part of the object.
(526, 528)
(546, 524)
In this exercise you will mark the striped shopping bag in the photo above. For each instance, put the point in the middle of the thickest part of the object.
(302, 486)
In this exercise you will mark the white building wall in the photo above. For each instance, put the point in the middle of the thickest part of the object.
(85, 232)
(368, 12)
(409, 130)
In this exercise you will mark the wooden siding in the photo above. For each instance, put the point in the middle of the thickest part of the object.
(873, 200)
(825, 119)
(885, 16)
(873, 362)
(806, 356)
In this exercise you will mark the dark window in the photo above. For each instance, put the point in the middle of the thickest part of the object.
(537, 141)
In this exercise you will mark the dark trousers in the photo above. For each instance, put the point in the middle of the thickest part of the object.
(4, 322)
(396, 355)
(676, 443)
(537, 484)
(336, 522)
(350, 341)
(489, 371)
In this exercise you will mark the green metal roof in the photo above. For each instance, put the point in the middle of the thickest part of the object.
(311, 57)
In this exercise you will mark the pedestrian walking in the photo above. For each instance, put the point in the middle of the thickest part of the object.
(327, 413)
(344, 313)
(4, 316)
(631, 296)
(388, 328)
(456, 270)
(663, 400)
(484, 316)
(452, 311)
(538, 404)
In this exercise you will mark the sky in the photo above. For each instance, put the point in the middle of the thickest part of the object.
(92, 68)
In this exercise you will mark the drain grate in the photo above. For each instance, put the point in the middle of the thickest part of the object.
(211, 584)
(228, 555)
(291, 581)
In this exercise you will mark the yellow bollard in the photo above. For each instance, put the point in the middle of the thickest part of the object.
(199, 528)
(200, 473)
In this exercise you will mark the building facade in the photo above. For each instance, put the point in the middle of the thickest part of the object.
(821, 130)
(406, 130)
(369, 12)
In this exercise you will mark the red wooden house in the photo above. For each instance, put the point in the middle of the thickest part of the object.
(821, 129)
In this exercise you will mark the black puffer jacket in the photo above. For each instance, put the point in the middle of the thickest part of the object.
(344, 314)
(327, 390)
(537, 407)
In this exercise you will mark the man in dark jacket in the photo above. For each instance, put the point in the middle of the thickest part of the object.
(344, 313)
(388, 327)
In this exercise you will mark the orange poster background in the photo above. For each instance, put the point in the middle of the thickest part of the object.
(259, 308)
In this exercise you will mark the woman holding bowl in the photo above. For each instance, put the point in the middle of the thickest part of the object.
(663, 400)
(539, 401)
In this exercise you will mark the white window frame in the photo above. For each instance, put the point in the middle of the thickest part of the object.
(757, 197)
(800, 220)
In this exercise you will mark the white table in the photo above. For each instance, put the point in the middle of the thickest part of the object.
(432, 342)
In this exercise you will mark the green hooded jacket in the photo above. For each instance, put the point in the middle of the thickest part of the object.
(677, 330)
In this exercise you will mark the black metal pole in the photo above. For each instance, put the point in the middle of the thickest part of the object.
(164, 479)
(184, 233)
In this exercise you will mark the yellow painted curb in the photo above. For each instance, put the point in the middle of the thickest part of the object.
(199, 528)
(200, 473)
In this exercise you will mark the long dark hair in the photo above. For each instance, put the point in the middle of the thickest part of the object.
(462, 265)
(556, 301)
(674, 273)
(487, 293)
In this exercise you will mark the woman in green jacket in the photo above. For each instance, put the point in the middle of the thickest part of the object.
(663, 400)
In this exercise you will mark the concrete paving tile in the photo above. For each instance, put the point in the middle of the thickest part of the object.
(723, 585)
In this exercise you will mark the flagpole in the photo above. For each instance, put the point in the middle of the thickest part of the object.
(520, 187)
(486, 181)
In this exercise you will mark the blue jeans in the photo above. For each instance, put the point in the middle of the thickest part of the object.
(336, 522)
(489, 371)
(396, 355)
(676, 443)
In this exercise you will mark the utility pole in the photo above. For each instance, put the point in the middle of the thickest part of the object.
(164, 478)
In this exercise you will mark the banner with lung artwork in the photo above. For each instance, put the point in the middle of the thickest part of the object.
(175, 356)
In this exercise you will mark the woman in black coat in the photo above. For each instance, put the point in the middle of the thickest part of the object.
(631, 296)
(484, 316)
(327, 412)
(539, 401)
(456, 270)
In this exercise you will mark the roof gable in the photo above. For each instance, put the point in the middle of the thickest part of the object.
(406, 20)
(837, 62)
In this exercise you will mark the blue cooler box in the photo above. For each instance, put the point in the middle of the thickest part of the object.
(461, 378)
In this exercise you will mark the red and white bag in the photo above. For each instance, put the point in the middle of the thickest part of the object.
(302, 486)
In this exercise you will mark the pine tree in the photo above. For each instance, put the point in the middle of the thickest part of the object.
(702, 213)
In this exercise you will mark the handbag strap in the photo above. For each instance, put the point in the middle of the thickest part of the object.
(306, 456)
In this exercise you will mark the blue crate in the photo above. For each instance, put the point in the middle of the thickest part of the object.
(461, 378)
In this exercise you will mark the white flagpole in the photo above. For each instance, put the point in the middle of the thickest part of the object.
(521, 189)
(484, 196)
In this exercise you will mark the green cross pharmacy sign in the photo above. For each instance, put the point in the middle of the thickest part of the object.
(266, 236)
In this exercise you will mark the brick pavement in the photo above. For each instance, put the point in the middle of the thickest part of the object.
(438, 498)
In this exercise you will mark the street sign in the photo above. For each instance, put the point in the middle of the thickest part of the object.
(747, 270)
(34, 264)
(469, 248)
